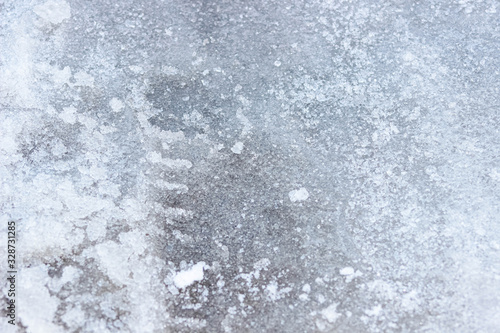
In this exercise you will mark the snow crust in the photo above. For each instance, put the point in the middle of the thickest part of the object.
(251, 166)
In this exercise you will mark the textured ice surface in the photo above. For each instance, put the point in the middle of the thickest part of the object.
(252, 166)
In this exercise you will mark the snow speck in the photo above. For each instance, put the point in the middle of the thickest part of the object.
(186, 278)
(298, 195)
(54, 11)
(68, 115)
(116, 104)
(272, 291)
(374, 311)
(347, 271)
(237, 148)
(277, 63)
(330, 313)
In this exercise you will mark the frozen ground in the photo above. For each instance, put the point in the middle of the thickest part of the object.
(251, 166)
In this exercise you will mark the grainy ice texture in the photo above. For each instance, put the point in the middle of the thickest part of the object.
(251, 166)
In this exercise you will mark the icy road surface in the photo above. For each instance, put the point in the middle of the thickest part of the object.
(251, 166)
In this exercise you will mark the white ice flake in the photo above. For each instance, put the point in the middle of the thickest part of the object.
(298, 195)
(68, 115)
(116, 105)
(237, 147)
(346, 271)
(187, 277)
(330, 313)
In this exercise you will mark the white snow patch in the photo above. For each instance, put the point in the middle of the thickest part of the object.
(155, 157)
(492, 9)
(96, 229)
(116, 105)
(186, 278)
(495, 174)
(262, 264)
(347, 271)
(70, 273)
(272, 290)
(136, 69)
(169, 70)
(8, 143)
(247, 125)
(54, 11)
(375, 311)
(17, 70)
(113, 260)
(39, 306)
(172, 186)
(258, 266)
(408, 56)
(68, 115)
(88, 122)
(74, 317)
(238, 147)
(83, 79)
(177, 164)
(298, 195)
(410, 301)
(61, 76)
(330, 313)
